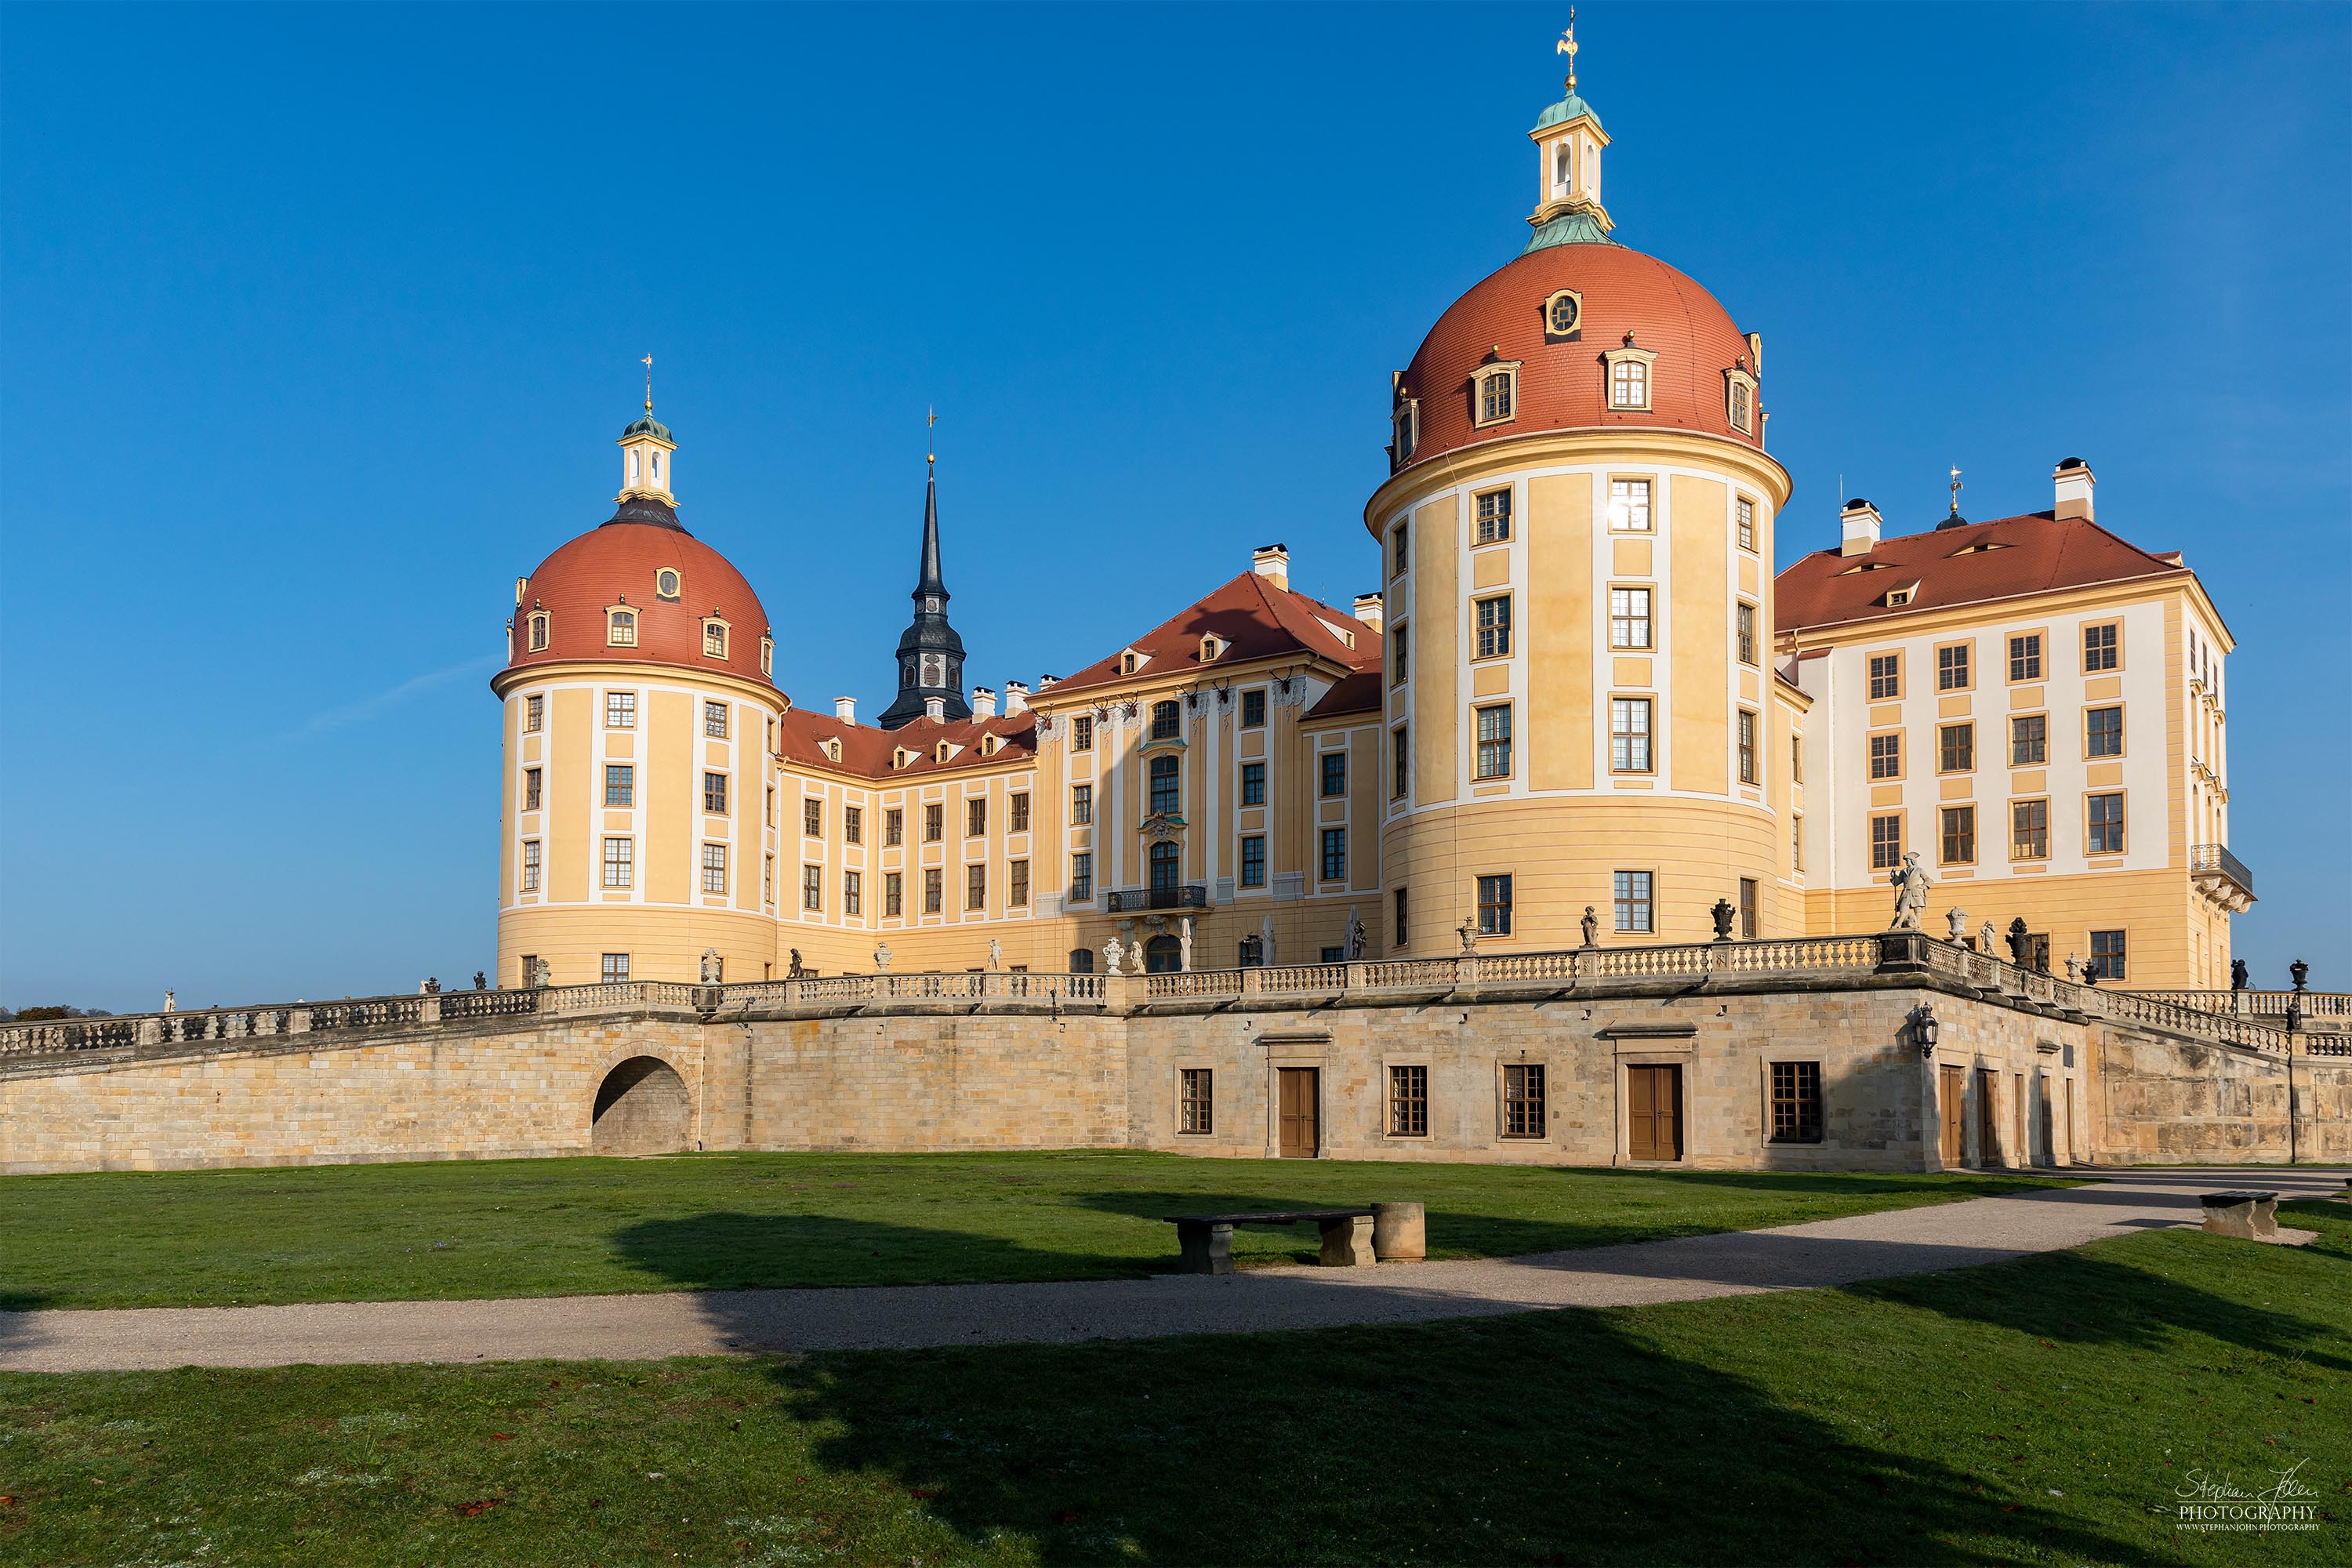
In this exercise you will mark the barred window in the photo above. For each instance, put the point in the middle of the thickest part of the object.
(614, 968)
(2025, 656)
(620, 862)
(894, 828)
(620, 710)
(1959, 836)
(1632, 892)
(1335, 854)
(1629, 618)
(975, 887)
(1885, 842)
(2108, 954)
(1254, 860)
(1335, 773)
(714, 868)
(620, 783)
(714, 719)
(1952, 668)
(1523, 1100)
(530, 866)
(1195, 1103)
(1252, 784)
(535, 713)
(2107, 835)
(1887, 755)
(1796, 1102)
(2101, 648)
(935, 822)
(1629, 734)
(2103, 732)
(1494, 742)
(1885, 675)
(1082, 733)
(894, 894)
(1628, 506)
(853, 892)
(1495, 627)
(531, 779)
(1746, 622)
(714, 792)
(1493, 517)
(1409, 1102)
(812, 887)
(2028, 741)
(1082, 878)
(1747, 738)
(1019, 813)
(2028, 830)
(853, 825)
(1495, 906)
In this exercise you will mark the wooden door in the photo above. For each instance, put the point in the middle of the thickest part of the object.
(2070, 1121)
(1987, 1116)
(1653, 1097)
(1952, 1095)
(1294, 1106)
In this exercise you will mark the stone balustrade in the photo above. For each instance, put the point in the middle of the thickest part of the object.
(2325, 1011)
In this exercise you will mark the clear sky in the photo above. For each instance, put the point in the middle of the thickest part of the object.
(321, 322)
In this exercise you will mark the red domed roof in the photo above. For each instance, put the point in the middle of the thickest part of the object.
(1563, 385)
(623, 561)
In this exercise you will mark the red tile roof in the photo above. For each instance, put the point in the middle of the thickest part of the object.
(866, 750)
(589, 574)
(2035, 553)
(1249, 613)
(1359, 693)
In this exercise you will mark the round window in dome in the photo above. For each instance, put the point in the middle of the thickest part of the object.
(1564, 313)
(666, 582)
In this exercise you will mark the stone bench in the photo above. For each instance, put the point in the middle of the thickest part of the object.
(1350, 1236)
(2251, 1216)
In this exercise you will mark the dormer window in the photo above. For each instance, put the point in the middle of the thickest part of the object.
(1564, 317)
(767, 656)
(1211, 647)
(1739, 395)
(1130, 661)
(1495, 392)
(620, 629)
(988, 744)
(832, 752)
(1898, 597)
(539, 631)
(942, 751)
(1408, 429)
(1629, 376)
(666, 582)
(714, 638)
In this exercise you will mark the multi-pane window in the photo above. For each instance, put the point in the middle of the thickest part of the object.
(1495, 906)
(1885, 842)
(1167, 787)
(620, 862)
(768, 880)
(1400, 763)
(1335, 854)
(620, 783)
(975, 817)
(1254, 860)
(539, 634)
(1409, 1102)
(1956, 748)
(1082, 878)
(1952, 668)
(620, 710)
(1194, 1100)
(535, 713)
(1629, 618)
(1494, 742)
(1495, 627)
(1495, 395)
(714, 792)
(1796, 844)
(1082, 732)
(1796, 759)
(714, 719)
(1629, 734)
(1628, 506)
(1166, 721)
(1887, 755)
(1016, 884)
(1082, 806)
(2103, 732)
(614, 968)
(1400, 652)
(1523, 1100)
(894, 828)
(1400, 900)
(1630, 890)
(1747, 909)
(2108, 954)
(1746, 734)
(2025, 656)
(1796, 1102)
(812, 887)
(1959, 836)
(531, 780)
(1019, 810)
(1745, 620)
(1629, 385)
(1252, 784)
(1739, 405)
(2028, 830)
(530, 866)
(935, 823)
(1253, 708)
(1399, 550)
(1885, 675)
(1335, 773)
(894, 894)
(853, 892)
(714, 639)
(2106, 826)
(975, 887)
(1744, 510)
(2028, 740)
(621, 628)
(935, 888)
(2101, 647)
(813, 817)
(714, 868)
(853, 825)
(1493, 517)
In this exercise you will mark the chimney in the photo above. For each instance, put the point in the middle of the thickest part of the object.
(845, 709)
(1860, 521)
(2074, 480)
(1271, 561)
(1370, 610)
(983, 703)
(935, 709)
(1016, 698)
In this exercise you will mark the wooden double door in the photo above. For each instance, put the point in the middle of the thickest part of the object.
(1952, 1103)
(1300, 1129)
(1654, 1102)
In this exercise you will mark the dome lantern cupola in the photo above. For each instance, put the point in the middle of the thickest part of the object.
(645, 451)
(1568, 140)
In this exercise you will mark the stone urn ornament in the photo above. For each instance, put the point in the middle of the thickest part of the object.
(1468, 931)
(882, 959)
(1957, 920)
(1722, 915)
(710, 969)
(2019, 939)
(2299, 972)
(1112, 952)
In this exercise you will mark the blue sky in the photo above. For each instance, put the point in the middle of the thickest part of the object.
(320, 322)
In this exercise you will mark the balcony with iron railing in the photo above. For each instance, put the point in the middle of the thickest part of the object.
(1183, 896)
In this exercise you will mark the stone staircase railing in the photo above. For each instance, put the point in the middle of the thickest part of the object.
(2321, 1012)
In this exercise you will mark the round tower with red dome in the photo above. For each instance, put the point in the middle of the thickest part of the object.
(1576, 542)
(640, 712)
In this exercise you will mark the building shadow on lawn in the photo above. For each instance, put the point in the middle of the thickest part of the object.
(1536, 1438)
(732, 1252)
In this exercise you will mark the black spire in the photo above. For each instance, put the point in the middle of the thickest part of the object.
(931, 655)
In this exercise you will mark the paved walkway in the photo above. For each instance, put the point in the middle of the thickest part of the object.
(643, 1326)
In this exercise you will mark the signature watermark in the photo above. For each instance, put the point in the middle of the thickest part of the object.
(2218, 1502)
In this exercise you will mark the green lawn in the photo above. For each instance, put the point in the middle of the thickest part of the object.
(2040, 1411)
(537, 1228)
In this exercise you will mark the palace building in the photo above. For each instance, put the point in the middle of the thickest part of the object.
(1578, 709)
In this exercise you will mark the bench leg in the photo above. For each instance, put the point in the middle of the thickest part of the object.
(2265, 1219)
(1398, 1231)
(1208, 1248)
(2231, 1219)
(1347, 1243)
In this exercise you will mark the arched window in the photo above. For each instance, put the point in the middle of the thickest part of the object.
(1163, 955)
(1166, 867)
(539, 633)
(621, 628)
(1082, 960)
(1164, 721)
(1167, 793)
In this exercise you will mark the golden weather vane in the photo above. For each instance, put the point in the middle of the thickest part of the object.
(1567, 46)
(930, 417)
(1955, 489)
(649, 383)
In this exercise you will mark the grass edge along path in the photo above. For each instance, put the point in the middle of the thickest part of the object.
(485, 1229)
(2047, 1409)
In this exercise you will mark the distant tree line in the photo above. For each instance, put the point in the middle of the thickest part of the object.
(49, 1015)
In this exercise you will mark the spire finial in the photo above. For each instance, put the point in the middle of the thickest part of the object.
(930, 417)
(1567, 46)
(649, 383)
(1955, 489)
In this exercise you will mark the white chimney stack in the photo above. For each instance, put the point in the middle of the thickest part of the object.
(2074, 479)
(983, 703)
(1861, 522)
(935, 709)
(1016, 698)
(845, 709)
(1371, 610)
(1271, 561)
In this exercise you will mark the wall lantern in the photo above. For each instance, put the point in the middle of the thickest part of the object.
(1924, 1029)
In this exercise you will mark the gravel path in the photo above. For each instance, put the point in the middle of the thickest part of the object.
(643, 1326)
